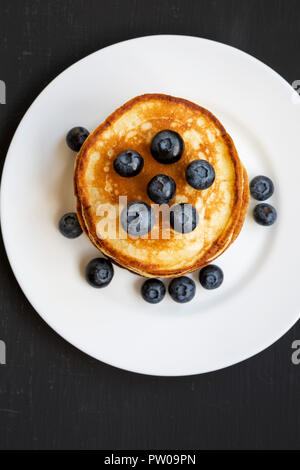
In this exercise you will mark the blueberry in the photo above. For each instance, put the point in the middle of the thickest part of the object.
(69, 225)
(128, 163)
(137, 218)
(265, 214)
(182, 289)
(211, 277)
(161, 189)
(76, 137)
(167, 147)
(200, 174)
(99, 272)
(153, 291)
(261, 188)
(183, 218)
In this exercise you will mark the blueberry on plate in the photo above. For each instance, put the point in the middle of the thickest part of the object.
(99, 272)
(153, 291)
(161, 189)
(200, 174)
(211, 277)
(76, 137)
(261, 188)
(265, 214)
(182, 289)
(128, 163)
(69, 225)
(183, 218)
(167, 147)
(137, 218)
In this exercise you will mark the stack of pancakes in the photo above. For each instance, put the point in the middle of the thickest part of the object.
(221, 208)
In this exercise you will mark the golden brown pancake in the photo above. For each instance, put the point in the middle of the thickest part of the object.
(221, 208)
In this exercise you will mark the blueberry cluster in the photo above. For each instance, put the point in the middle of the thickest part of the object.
(182, 289)
(166, 147)
(137, 218)
(261, 189)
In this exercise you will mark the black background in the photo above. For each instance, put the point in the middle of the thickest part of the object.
(53, 396)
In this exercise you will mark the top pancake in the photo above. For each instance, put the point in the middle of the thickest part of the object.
(221, 207)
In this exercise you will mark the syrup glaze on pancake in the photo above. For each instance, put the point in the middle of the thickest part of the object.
(221, 207)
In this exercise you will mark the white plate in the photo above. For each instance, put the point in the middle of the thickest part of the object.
(259, 300)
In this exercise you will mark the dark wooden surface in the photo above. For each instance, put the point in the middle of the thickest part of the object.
(53, 396)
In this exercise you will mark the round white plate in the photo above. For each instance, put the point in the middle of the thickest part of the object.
(259, 299)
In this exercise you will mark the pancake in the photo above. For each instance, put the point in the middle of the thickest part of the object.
(221, 208)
